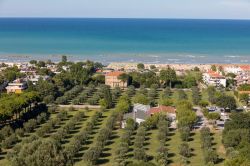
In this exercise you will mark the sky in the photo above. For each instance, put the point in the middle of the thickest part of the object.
(197, 9)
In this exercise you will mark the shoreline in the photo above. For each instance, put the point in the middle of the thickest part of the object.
(132, 58)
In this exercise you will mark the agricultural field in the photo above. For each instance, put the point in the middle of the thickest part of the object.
(83, 127)
(108, 155)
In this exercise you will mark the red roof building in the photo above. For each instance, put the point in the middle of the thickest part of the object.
(162, 108)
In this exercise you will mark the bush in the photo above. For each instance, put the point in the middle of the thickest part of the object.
(210, 156)
(76, 101)
(30, 125)
(6, 131)
(49, 99)
(19, 132)
(62, 100)
(9, 141)
(52, 109)
(184, 150)
(184, 133)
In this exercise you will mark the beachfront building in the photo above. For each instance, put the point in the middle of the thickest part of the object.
(112, 79)
(17, 86)
(214, 78)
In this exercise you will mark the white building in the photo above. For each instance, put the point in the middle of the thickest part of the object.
(139, 114)
(214, 79)
(35, 78)
(17, 86)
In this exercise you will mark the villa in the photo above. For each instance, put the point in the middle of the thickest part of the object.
(112, 79)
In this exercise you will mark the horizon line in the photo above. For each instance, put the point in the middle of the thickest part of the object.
(152, 18)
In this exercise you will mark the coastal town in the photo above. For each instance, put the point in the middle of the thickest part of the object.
(124, 113)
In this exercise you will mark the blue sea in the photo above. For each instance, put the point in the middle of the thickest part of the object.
(125, 40)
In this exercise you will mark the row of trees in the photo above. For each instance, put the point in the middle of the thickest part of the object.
(15, 104)
(186, 118)
(40, 149)
(84, 95)
(52, 123)
(10, 137)
(210, 155)
(42, 152)
(139, 151)
(162, 152)
(123, 147)
(69, 95)
(236, 139)
(92, 154)
(80, 139)
(68, 127)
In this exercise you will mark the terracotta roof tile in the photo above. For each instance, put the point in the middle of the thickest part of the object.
(115, 73)
(167, 109)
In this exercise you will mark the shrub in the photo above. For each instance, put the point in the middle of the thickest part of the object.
(30, 125)
(184, 133)
(210, 156)
(9, 141)
(52, 109)
(19, 132)
(49, 99)
(6, 131)
(184, 150)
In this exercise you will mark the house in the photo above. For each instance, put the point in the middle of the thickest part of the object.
(214, 78)
(112, 79)
(35, 78)
(243, 78)
(169, 110)
(139, 114)
(17, 86)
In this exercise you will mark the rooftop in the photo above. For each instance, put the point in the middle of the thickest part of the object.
(115, 73)
(162, 108)
(214, 74)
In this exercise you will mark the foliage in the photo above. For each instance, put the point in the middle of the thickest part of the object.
(244, 87)
(39, 152)
(244, 97)
(140, 66)
(14, 104)
(225, 101)
(185, 115)
(184, 133)
(196, 97)
(184, 150)
(140, 98)
(168, 76)
(182, 95)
